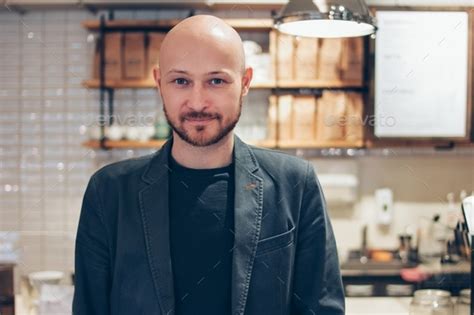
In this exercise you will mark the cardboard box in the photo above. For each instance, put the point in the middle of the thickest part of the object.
(285, 117)
(354, 130)
(134, 55)
(154, 41)
(306, 58)
(280, 117)
(282, 48)
(112, 55)
(272, 117)
(330, 59)
(304, 116)
(331, 110)
(352, 59)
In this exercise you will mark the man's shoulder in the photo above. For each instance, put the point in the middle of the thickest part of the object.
(282, 161)
(124, 168)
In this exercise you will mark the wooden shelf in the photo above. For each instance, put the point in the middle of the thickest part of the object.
(154, 144)
(147, 84)
(124, 144)
(240, 24)
(418, 143)
(120, 84)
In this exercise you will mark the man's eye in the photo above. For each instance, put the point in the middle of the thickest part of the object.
(181, 81)
(217, 81)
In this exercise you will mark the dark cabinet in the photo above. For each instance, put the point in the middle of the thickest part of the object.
(7, 294)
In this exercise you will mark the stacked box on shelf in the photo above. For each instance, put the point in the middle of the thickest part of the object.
(129, 55)
(352, 59)
(134, 55)
(282, 48)
(304, 113)
(280, 117)
(306, 58)
(334, 117)
(339, 117)
(329, 59)
(113, 56)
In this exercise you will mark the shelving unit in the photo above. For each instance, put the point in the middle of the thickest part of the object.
(107, 87)
(114, 25)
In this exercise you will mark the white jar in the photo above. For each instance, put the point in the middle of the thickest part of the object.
(463, 304)
(431, 302)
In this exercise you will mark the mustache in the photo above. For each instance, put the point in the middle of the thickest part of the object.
(199, 115)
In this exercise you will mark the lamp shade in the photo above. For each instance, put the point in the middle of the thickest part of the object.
(325, 18)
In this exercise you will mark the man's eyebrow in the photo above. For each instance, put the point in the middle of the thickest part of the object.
(177, 71)
(209, 73)
(218, 72)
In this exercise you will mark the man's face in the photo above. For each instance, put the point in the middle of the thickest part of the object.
(202, 87)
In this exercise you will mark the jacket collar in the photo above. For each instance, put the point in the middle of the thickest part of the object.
(243, 155)
(248, 204)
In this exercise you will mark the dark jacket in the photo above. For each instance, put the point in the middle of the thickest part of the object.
(284, 259)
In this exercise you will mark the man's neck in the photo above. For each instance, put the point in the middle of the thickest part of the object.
(213, 156)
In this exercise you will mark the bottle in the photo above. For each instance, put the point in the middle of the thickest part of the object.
(433, 240)
(453, 211)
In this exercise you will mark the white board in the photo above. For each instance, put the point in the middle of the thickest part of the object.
(421, 74)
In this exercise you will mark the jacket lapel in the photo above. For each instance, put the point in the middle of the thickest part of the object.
(155, 219)
(248, 205)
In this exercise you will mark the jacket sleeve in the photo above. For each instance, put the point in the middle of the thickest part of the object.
(317, 287)
(92, 263)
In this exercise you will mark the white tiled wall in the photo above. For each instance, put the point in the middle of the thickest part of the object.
(43, 170)
(44, 115)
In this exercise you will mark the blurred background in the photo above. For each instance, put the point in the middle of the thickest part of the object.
(386, 121)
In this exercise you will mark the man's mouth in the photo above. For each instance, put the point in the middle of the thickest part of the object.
(200, 119)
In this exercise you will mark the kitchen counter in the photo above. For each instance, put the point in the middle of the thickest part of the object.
(354, 306)
(432, 269)
(433, 276)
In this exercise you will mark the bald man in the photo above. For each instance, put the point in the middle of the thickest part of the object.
(208, 224)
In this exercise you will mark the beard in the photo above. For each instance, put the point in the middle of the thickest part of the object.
(197, 137)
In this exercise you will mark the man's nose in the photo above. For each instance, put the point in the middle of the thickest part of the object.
(197, 99)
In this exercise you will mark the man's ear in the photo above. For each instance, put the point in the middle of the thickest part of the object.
(246, 79)
(157, 76)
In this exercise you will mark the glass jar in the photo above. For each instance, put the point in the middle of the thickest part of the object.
(463, 304)
(431, 302)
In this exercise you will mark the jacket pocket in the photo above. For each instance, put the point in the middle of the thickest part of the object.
(275, 242)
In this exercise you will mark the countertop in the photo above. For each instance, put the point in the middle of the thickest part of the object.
(354, 306)
(378, 305)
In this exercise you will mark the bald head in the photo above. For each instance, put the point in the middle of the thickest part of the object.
(200, 37)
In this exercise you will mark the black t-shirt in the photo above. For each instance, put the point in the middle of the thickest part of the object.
(201, 205)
